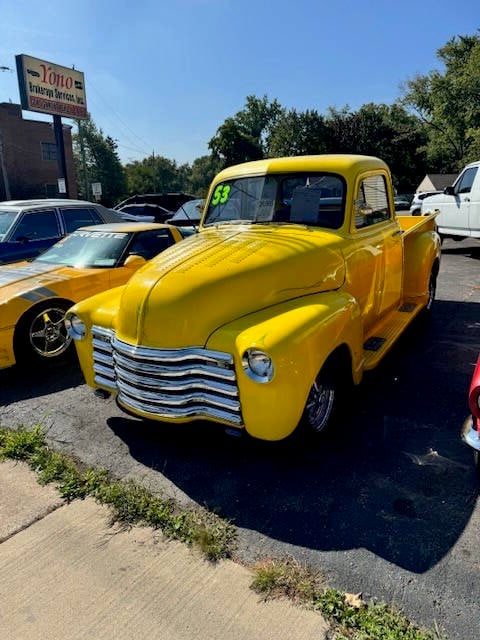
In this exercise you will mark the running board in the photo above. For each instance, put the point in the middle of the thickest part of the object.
(385, 334)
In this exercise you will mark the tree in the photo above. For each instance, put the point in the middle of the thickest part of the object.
(96, 160)
(386, 131)
(245, 136)
(155, 174)
(448, 102)
(298, 133)
(202, 172)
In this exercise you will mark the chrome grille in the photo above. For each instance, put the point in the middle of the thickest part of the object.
(167, 383)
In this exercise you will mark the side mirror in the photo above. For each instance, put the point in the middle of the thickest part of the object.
(134, 261)
(449, 191)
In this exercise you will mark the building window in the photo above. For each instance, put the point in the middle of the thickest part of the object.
(49, 151)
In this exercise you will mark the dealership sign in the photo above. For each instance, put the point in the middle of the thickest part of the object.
(49, 88)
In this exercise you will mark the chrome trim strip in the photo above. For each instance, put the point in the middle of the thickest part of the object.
(192, 412)
(185, 384)
(173, 372)
(177, 401)
(104, 382)
(171, 355)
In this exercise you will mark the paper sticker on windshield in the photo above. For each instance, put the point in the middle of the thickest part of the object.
(220, 195)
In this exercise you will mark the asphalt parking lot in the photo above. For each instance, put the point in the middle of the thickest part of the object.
(388, 507)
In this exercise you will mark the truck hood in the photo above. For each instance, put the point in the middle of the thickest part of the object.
(221, 274)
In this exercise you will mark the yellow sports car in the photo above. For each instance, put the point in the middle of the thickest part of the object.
(35, 295)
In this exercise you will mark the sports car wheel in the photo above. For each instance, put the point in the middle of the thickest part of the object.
(41, 333)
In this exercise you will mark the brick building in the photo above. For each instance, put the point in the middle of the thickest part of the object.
(30, 156)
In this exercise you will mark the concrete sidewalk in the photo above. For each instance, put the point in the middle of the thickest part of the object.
(64, 573)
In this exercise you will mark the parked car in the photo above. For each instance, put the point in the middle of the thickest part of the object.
(458, 205)
(418, 198)
(188, 216)
(28, 227)
(169, 201)
(35, 295)
(471, 426)
(401, 202)
(145, 212)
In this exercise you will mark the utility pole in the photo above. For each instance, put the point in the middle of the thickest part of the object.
(153, 171)
(84, 161)
(3, 167)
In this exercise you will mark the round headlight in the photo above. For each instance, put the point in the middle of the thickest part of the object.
(258, 365)
(76, 327)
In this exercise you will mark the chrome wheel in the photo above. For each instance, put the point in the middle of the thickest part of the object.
(320, 403)
(47, 334)
(432, 287)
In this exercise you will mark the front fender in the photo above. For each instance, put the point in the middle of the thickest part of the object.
(100, 310)
(298, 335)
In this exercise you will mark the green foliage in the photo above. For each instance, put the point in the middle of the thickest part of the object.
(130, 503)
(448, 103)
(96, 160)
(156, 174)
(201, 174)
(366, 622)
(286, 578)
(352, 618)
(245, 136)
(298, 133)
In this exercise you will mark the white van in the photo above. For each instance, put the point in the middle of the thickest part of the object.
(459, 205)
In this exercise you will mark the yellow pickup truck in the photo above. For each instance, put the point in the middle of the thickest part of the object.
(301, 278)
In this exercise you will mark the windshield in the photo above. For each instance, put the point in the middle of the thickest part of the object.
(314, 199)
(94, 249)
(6, 219)
(191, 210)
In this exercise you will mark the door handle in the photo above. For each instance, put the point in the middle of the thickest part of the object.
(398, 232)
(466, 200)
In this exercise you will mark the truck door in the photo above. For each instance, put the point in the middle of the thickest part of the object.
(455, 213)
(375, 264)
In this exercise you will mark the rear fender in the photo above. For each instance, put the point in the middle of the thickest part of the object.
(298, 335)
(421, 255)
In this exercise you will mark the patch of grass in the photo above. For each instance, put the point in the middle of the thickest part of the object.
(287, 578)
(352, 618)
(129, 502)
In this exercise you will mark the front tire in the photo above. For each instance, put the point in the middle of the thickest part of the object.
(41, 334)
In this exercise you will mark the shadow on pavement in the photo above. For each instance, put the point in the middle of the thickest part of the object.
(18, 384)
(396, 480)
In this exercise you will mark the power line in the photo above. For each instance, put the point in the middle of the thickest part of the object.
(111, 110)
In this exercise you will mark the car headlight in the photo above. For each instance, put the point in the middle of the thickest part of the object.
(76, 327)
(258, 365)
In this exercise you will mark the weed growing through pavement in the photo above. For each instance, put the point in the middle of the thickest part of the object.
(129, 502)
(352, 618)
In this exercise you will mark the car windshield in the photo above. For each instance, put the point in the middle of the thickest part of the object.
(191, 210)
(88, 249)
(313, 199)
(6, 220)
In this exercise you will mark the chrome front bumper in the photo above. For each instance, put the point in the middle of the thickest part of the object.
(470, 435)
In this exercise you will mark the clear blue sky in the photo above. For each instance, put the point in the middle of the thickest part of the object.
(163, 75)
